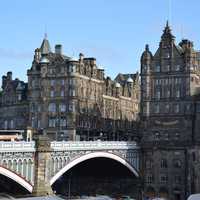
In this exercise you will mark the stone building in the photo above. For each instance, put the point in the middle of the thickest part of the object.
(13, 106)
(170, 81)
(71, 99)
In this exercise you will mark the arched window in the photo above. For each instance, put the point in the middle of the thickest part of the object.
(163, 163)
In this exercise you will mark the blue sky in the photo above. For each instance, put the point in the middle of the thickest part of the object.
(113, 31)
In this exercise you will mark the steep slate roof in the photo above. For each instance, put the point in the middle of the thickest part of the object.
(45, 47)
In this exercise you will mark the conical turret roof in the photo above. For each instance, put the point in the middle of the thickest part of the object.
(45, 47)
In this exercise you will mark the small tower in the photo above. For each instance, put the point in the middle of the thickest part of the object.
(167, 39)
(146, 61)
(45, 48)
(37, 55)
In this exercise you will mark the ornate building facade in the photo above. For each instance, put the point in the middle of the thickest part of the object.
(70, 99)
(169, 123)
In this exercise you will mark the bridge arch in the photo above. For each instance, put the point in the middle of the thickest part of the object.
(90, 156)
(13, 176)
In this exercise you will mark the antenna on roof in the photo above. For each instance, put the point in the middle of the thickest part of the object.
(170, 11)
(45, 32)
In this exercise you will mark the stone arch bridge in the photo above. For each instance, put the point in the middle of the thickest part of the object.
(37, 165)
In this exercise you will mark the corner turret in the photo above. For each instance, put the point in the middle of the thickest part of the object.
(146, 60)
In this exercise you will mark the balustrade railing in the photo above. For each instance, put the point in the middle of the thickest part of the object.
(92, 145)
(21, 146)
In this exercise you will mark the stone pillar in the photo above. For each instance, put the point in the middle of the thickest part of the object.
(42, 168)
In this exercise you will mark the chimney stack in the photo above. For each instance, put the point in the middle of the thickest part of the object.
(9, 76)
(58, 49)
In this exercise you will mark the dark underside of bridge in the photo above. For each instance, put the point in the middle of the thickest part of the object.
(98, 176)
(9, 186)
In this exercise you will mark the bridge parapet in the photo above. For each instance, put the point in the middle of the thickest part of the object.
(92, 145)
(21, 146)
(20, 157)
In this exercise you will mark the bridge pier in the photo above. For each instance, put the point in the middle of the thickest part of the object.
(42, 185)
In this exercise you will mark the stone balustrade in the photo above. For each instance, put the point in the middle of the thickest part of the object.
(17, 146)
(92, 145)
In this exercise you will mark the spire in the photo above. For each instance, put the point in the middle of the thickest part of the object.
(146, 47)
(167, 24)
(167, 28)
(45, 35)
(167, 35)
(45, 47)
